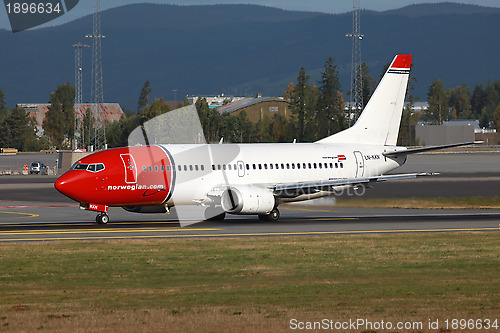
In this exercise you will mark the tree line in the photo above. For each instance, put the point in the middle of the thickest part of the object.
(318, 109)
(483, 103)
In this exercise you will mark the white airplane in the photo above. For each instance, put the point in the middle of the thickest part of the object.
(250, 179)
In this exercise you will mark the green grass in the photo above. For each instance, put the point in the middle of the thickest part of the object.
(247, 284)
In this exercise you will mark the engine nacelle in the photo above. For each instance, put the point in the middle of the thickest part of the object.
(247, 200)
(146, 209)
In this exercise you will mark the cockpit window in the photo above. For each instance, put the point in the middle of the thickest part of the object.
(95, 167)
(80, 166)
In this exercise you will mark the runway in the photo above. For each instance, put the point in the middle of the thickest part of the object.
(50, 222)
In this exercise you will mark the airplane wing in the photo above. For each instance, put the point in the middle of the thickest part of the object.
(291, 190)
(397, 152)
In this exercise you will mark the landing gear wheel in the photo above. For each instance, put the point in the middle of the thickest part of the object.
(102, 218)
(214, 214)
(273, 216)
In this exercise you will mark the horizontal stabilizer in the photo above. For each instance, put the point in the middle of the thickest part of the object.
(422, 149)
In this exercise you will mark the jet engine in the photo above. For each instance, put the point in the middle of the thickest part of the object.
(247, 200)
(145, 209)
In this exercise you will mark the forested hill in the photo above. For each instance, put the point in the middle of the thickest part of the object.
(244, 49)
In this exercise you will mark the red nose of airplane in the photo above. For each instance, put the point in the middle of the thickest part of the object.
(68, 184)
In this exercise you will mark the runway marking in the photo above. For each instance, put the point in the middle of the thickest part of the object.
(309, 233)
(77, 231)
(19, 213)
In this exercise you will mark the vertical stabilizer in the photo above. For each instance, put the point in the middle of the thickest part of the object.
(379, 121)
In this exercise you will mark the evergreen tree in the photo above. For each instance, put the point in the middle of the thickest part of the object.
(144, 96)
(477, 101)
(18, 132)
(368, 84)
(437, 111)
(330, 116)
(299, 103)
(460, 102)
(59, 120)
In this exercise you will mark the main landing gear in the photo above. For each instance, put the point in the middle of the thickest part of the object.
(272, 216)
(102, 218)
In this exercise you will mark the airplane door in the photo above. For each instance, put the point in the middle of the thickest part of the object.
(241, 168)
(360, 165)
(130, 168)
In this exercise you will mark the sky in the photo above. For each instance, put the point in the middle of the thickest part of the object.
(86, 7)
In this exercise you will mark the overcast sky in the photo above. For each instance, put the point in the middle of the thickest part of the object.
(86, 7)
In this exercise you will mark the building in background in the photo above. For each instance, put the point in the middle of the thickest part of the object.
(112, 112)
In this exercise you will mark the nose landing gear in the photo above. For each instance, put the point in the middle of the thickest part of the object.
(102, 218)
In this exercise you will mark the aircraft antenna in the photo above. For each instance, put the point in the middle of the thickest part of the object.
(356, 100)
(79, 136)
(97, 95)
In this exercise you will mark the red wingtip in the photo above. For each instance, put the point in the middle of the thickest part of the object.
(402, 61)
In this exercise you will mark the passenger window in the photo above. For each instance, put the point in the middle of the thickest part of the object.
(336, 165)
(288, 166)
(235, 167)
(223, 166)
(144, 169)
(218, 167)
(293, 165)
(331, 165)
(260, 166)
(190, 167)
(229, 166)
(254, 166)
(320, 165)
(202, 167)
(168, 167)
(309, 165)
(150, 168)
(185, 168)
(162, 168)
(298, 165)
(156, 168)
(303, 165)
(342, 165)
(314, 165)
(265, 166)
(270, 166)
(277, 166)
(248, 167)
(213, 167)
(196, 167)
(326, 165)
(282, 166)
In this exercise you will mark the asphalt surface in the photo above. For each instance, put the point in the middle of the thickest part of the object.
(32, 210)
(36, 222)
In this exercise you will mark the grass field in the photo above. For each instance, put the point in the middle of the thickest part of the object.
(247, 284)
